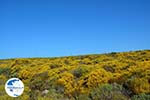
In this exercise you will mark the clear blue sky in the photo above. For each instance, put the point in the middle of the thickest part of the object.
(48, 28)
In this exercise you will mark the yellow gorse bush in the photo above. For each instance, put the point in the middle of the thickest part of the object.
(75, 76)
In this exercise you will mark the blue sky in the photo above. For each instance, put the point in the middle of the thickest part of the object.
(49, 28)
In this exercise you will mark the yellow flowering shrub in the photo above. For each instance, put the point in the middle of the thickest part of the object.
(68, 82)
(140, 85)
(73, 77)
(96, 77)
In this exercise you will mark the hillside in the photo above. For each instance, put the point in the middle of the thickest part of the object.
(111, 76)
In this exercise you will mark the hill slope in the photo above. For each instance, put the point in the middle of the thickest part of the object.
(112, 76)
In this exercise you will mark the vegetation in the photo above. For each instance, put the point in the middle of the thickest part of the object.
(111, 76)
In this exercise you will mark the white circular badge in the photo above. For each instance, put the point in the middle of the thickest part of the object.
(14, 87)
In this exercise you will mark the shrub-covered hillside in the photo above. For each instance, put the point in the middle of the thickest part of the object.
(112, 76)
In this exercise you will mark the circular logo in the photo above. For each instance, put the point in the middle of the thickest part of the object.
(14, 87)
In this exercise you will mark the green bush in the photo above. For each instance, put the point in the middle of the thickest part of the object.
(108, 92)
(101, 92)
(141, 97)
(80, 71)
(5, 71)
(37, 84)
(83, 97)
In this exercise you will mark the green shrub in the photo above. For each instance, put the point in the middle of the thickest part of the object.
(80, 71)
(108, 92)
(83, 97)
(38, 84)
(141, 97)
(5, 71)
(101, 92)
